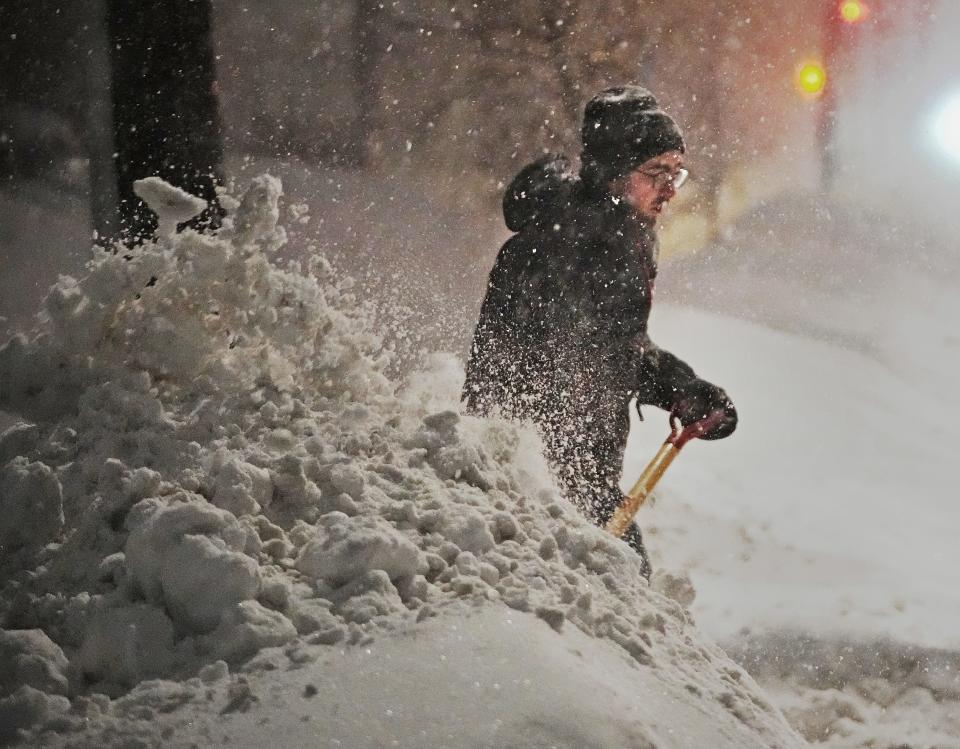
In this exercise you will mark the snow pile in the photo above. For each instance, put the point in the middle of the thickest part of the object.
(215, 482)
(845, 692)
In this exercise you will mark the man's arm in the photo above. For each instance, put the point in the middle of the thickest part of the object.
(660, 376)
(667, 382)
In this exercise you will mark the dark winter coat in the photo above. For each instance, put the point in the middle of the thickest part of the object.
(564, 320)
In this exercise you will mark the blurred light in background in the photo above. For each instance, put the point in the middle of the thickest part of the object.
(811, 78)
(946, 127)
(853, 11)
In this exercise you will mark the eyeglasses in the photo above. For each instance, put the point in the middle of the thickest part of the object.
(663, 178)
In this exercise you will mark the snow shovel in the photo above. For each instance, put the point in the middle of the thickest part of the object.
(679, 436)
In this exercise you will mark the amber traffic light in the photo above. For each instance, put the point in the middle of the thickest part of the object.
(852, 11)
(811, 78)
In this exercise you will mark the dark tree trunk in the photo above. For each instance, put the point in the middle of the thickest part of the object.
(165, 117)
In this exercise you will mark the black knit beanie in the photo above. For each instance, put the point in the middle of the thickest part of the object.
(624, 126)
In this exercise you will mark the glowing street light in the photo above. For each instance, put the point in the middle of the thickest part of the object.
(852, 11)
(811, 78)
(946, 127)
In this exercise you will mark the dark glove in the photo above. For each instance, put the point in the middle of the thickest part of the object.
(699, 399)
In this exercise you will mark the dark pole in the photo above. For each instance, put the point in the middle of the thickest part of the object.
(165, 116)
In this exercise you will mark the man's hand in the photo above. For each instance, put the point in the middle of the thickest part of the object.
(698, 400)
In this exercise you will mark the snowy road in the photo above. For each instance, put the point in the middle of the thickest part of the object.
(832, 509)
(821, 537)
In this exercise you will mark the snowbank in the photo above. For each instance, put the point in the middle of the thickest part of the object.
(215, 484)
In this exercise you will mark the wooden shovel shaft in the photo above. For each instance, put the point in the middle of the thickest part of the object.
(625, 513)
(679, 436)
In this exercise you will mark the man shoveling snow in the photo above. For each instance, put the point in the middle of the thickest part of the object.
(562, 337)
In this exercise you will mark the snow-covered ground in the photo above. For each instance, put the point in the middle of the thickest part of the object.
(833, 505)
(821, 538)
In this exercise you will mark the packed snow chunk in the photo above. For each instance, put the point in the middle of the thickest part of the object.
(247, 628)
(447, 453)
(214, 672)
(241, 488)
(675, 585)
(258, 214)
(275, 591)
(25, 708)
(311, 615)
(120, 488)
(28, 657)
(127, 644)
(171, 204)
(31, 503)
(18, 440)
(370, 596)
(461, 463)
(347, 479)
(438, 429)
(80, 314)
(468, 529)
(201, 579)
(293, 487)
(189, 557)
(346, 548)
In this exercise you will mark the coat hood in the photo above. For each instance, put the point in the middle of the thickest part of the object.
(540, 190)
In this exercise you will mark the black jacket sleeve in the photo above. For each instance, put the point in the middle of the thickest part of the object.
(660, 376)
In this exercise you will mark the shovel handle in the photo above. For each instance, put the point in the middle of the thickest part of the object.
(679, 436)
(624, 514)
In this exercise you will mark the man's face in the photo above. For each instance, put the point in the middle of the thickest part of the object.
(648, 187)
